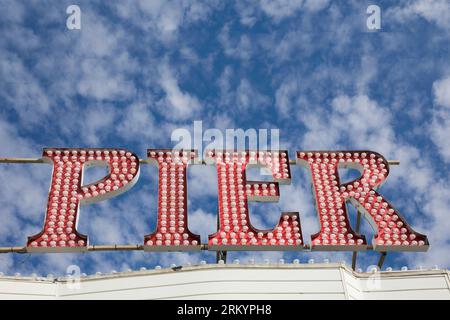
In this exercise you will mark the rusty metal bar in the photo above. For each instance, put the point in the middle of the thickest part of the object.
(113, 247)
(135, 247)
(116, 247)
(123, 247)
(21, 160)
(142, 161)
(13, 250)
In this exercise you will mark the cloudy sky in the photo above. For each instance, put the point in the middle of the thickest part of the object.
(138, 70)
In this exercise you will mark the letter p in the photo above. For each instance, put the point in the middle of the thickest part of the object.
(67, 192)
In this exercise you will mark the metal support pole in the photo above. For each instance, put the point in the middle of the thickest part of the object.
(381, 260)
(138, 247)
(220, 255)
(21, 160)
(355, 253)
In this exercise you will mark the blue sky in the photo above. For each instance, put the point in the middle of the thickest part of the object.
(137, 70)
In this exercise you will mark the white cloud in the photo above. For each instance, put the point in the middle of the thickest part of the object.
(248, 12)
(95, 28)
(244, 97)
(202, 181)
(247, 97)
(137, 120)
(13, 145)
(21, 90)
(435, 11)
(101, 81)
(279, 9)
(361, 123)
(440, 133)
(353, 122)
(435, 226)
(138, 124)
(224, 83)
(164, 18)
(176, 104)
(285, 97)
(6, 262)
(239, 47)
(202, 223)
(440, 123)
(98, 121)
(23, 194)
(368, 72)
(441, 90)
(103, 67)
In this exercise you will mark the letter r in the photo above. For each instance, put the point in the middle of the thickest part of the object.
(393, 232)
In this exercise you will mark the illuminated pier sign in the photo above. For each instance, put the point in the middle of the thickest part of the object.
(235, 231)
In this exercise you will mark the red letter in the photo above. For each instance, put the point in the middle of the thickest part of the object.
(331, 197)
(235, 230)
(172, 231)
(66, 193)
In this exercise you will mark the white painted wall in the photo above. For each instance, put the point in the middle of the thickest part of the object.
(287, 281)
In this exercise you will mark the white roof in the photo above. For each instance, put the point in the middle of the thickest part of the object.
(237, 281)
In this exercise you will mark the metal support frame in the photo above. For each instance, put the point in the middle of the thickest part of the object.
(141, 161)
(355, 253)
(139, 247)
(381, 260)
(221, 255)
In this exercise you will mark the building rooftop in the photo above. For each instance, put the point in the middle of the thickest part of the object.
(235, 281)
